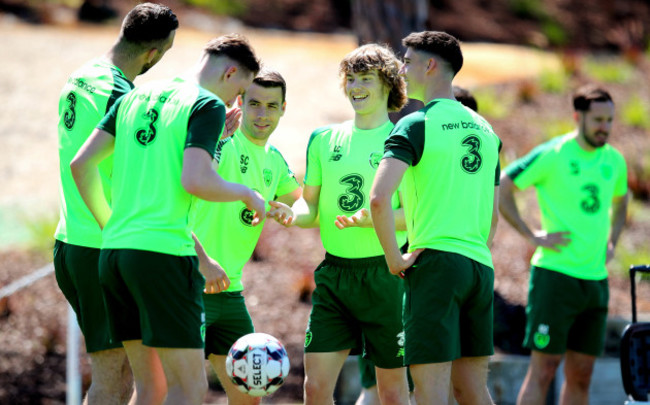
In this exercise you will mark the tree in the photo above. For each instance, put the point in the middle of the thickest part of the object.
(388, 21)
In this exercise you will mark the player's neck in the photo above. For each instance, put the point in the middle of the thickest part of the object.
(584, 145)
(438, 90)
(371, 120)
(253, 140)
(128, 65)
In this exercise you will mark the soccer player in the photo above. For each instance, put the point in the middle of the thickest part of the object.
(163, 136)
(368, 395)
(581, 184)
(147, 33)
(357, 304)
(224, 229)
(446, 158)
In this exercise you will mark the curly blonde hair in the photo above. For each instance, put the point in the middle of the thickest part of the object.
(380, 58)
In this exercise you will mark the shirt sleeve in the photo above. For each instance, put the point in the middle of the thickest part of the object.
(620, 189)
(108, 122)
(313, 173)
(406, 141)
(288, 182)
(121, 86)
(206, 123)
(531, 168)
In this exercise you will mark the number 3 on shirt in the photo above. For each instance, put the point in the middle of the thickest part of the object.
(353, 198)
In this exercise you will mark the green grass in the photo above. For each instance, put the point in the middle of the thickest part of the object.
(490, 104)
(635, 112)
(40, 232)
(553, 81)
(553, 128)
(221, 7)
(609, 70)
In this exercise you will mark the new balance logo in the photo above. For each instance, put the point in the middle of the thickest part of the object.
(336, 155)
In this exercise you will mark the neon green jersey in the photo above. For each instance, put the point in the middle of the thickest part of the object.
(448, 188)
(153, 124)
(343, 160)
(86, 97)
(224, 228)
(575, 189)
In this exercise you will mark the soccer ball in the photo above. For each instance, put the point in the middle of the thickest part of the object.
(257, 364)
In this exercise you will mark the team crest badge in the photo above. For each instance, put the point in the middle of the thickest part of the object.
(308, 337)
(268, 177)
(246, 216)
(541, 337)
(375, 158)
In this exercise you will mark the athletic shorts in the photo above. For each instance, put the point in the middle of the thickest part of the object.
(357, 305)
(227, 319)
(77, 273)
(565, 312)
(154, 297)
(368, 376)
(447, 308)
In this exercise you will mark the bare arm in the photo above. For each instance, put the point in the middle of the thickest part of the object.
(216, 279)
(508, 208)
(306, 208)
(84, 169)
(389, 175)
(200, 179)
(619, 215)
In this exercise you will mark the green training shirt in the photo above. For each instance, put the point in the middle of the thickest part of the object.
(448, 188)
(85, 98)
(153, 124)
(343, 160)
(224, 228)
(575, 189)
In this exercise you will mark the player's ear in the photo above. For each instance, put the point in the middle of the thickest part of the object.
(230, 71)
(151, 54)
(576, 116)
(283, 109)
(240, 100)
(431, 65)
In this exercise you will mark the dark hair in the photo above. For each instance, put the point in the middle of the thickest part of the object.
(465, 97)
(381, 58)
(268, 78)
(438, 43)
(235, 47)
(148, 22)
(585, 95)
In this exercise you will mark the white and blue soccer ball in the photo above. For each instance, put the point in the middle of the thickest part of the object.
(257, 364)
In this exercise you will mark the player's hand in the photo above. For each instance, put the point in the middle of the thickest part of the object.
(282, 213)
(255, 202)
(360, 218)
(216, 279)
(232, 122)
(554, 240)
(405, 261)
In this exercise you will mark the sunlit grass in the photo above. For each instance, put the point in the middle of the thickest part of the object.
(608, 70)
(635, 112)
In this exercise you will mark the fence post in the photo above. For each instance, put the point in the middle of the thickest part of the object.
(73, 378)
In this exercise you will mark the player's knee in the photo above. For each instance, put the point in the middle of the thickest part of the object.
(315, 391)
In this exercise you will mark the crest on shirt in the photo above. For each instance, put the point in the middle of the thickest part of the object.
(375, 158)
(574, 167)
(268, 177)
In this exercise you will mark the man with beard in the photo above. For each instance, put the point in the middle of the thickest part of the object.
(581, 185)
